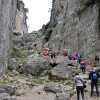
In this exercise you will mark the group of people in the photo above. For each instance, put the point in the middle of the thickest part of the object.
(81, 61)
(74, 57)
(80, 83)
(79, 80)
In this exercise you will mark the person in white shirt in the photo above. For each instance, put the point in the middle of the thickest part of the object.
(79, 83)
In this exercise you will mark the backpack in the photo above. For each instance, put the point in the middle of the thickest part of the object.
(94, 76)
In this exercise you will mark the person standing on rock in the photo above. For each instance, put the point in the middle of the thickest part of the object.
(79, 83)
(93, 76)
(78, 57)
(97, 60)
(65, 53)
(83, 66)
(53, 59)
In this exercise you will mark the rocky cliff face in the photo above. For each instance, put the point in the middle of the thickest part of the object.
(75, 25)
(20, 20)
(8, 15)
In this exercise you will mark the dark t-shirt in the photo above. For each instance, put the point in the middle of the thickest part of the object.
(91, 76)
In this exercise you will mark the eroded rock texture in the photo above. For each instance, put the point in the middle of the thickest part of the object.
(8, 12)
(21, 24)
(75, 25)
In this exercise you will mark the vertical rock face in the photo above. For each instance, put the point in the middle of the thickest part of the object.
(8, 13)
(75, 25)
(21, 17)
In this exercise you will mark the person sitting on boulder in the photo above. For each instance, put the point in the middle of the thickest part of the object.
(45, 53)
(53, 59)
(53, 55)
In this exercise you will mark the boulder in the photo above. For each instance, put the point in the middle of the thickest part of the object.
(62, 96)
(61, 91)
(20, 92)
(8, 89)
(12, 64)
(61, 72)
(35, 66)
(2, 95)
(5, 96)
(56, 88)
(53, 87)
(62, 59)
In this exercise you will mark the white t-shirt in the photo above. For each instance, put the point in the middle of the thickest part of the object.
(79, 80)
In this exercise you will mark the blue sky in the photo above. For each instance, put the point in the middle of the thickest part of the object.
(39, 13)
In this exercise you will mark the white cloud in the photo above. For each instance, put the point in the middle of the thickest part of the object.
(38, 13)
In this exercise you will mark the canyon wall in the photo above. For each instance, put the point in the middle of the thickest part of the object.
(9, 12)
(74, 25)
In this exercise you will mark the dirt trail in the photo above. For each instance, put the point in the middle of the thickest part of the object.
(36, 93)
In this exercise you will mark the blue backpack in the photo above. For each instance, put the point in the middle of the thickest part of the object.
(94, 76)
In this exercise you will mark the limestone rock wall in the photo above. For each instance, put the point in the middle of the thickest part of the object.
(75, 25)
(21, 17)
(8, 13)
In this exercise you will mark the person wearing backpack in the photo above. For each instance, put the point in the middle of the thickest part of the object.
(93, 76)
(83, 66)
(80, 85)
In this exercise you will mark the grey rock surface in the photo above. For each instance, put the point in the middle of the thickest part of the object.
(62, 96)
(13, 64)
(53, 87)
(75, 25)
(35, 66)
(60, 90)
(61, 72)
(8, 89)
(8, 13)
(5, 96)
